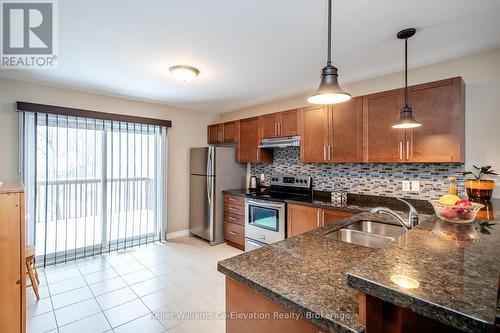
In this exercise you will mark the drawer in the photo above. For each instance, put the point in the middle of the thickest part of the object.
(234, 218)
(234, 199)
(234, 233)
(234, 209)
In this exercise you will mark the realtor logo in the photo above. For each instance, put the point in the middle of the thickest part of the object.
(28, 34)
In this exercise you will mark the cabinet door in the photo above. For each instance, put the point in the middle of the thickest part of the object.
(439, 107)
(10, 257)
(331, 216)
(347, 131)
(269, 125)
(314, 134)
(289, 124)
(248, 141)
(382, 143)
(214, 134)
(230, 131)
(301, 219)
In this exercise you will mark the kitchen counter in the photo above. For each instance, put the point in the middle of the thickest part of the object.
(305, 274)
(456, 280)
(320, 278)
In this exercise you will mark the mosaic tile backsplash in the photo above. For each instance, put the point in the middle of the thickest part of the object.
(365, 178)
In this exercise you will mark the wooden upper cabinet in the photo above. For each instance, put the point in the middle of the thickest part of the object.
(346, 135)
(440, 108)
(223, 133)
(248, 141)
(314, 134)
(382, 143)
(230, 131)
(269, 125)
(289, 123)
(215, 134)
(279, 124)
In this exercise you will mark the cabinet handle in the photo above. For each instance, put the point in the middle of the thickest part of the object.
(324, 153)
(407, 150)
(233, 209)
(233, 233)
(329, 156)
(232, 199)
(232, 218)
(400, 150)
(279, 128)
(319, 217)
(18, 282)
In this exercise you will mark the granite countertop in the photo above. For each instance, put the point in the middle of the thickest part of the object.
(305, 274)
(457, 277)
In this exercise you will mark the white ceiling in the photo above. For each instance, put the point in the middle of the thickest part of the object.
(250, 52)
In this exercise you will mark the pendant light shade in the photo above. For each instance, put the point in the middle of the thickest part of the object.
(406, 119)
(329, 91)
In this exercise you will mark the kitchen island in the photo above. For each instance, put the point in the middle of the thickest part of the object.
(331, 284)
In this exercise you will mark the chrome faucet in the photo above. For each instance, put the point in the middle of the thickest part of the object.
(412, 215)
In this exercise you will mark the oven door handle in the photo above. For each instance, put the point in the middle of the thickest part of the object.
(264, 204)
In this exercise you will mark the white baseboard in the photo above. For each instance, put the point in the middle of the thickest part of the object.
(177, 234)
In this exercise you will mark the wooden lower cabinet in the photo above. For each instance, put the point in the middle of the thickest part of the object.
(302, 218)
(12, 247)
(234, 221)
(241, 302)
(379, 316)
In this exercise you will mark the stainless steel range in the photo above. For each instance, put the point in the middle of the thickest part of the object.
(265, 213)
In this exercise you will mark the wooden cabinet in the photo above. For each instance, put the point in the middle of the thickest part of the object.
(223, 133)
(242, 300)
(314, 134)
(234, 221)
(440, 108)
(360, 130)
(382, 143)
(332, 133)
(302, 218)
(285, 123)
(215, 134)
(12, 246)
(248, 141)
(346, 133)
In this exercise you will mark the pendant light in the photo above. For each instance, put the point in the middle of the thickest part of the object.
(329, 91)
(406, 119)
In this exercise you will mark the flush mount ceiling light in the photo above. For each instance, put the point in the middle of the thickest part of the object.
(329, 91)
(406, 119)
(184, 73)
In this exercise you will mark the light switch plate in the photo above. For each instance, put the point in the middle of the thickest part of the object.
(406, 185)
(415, 185)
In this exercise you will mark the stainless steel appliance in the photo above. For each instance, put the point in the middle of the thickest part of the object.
(212, 170)
(287, 141)
(265, 214)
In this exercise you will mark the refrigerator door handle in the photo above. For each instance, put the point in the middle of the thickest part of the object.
(209, 174)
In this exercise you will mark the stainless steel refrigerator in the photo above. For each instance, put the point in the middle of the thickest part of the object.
(212, 170)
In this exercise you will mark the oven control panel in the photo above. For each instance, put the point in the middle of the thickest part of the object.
(291, 181)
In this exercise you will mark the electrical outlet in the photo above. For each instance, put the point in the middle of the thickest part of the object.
(415, 186)
(406, 185)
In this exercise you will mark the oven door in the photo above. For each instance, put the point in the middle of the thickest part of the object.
(264, 220)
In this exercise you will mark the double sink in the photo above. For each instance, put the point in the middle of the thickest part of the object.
(367, 233)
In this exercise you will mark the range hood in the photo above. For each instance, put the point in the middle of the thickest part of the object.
(287, 141)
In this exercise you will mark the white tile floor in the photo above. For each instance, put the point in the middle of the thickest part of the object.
(172, 287)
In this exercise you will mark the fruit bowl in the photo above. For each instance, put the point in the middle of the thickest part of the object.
(456, 213)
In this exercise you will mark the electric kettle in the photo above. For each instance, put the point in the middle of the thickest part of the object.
(254, 184)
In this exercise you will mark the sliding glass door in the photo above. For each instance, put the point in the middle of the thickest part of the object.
(92, 185)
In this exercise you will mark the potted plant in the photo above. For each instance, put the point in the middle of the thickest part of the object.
(479, 189)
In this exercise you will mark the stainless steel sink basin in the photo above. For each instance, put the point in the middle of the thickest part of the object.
(367, 233)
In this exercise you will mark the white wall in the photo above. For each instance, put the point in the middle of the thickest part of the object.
(481, 73)
(188, 130)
